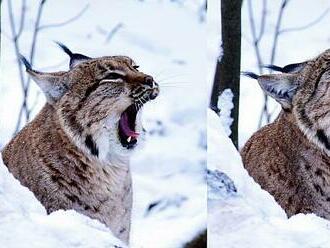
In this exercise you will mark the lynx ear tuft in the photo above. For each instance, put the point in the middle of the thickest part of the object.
(75, 58)
(274, 67)
(250, 74)
(27, 65)
(64, 48)
(291, 68)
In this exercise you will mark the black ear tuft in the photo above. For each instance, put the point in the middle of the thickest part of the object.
(75, 58)
(65, 48)
(274, 68)
(250, 74)
(27, 65)
(293, 67)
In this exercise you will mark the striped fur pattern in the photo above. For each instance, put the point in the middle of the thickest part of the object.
(290, 157)
(70, 155)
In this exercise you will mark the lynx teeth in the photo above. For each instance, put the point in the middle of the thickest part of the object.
(129, 139)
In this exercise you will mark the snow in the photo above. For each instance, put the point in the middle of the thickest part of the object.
(249, 216)
(225, 104)
(25, 223)
(169, 183)
(219, 185)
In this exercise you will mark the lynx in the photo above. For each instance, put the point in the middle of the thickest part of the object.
(290, 157)
(75, 153)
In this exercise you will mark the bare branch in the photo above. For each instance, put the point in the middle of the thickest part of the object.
(263, 20)
(277, 30)
(72, 19)
(114, 31)
(306, 26)
(35, 30)
(21, 25)
(265, 112)
(32, 52)
(15, 38)
(255, 39)
(11, 19)
(26, 85)
(202, 11)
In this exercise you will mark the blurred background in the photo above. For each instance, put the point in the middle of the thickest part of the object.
(167, 39)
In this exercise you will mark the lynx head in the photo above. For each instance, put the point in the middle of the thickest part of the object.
(303, 89)
(98, 102)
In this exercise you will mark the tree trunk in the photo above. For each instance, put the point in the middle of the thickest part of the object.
(227, 73)
(200, 241)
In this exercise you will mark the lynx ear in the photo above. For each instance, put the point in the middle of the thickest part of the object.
(52, 84)
(75, 58)
(282, 87)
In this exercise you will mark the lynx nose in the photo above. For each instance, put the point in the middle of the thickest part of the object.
(155, 91)
(148, 80)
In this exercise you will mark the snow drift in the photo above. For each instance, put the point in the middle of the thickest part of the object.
(249, 216)
(25, 223)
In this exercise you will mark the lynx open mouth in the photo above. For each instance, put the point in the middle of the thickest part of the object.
(126, 127)
(127, 123)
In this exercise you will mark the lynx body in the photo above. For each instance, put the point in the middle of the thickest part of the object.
(75, 153)
(290, 157)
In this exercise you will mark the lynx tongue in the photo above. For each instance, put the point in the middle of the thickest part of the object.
(124, 125)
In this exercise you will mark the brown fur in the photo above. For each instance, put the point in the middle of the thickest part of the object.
(290, 157)
(66, 156)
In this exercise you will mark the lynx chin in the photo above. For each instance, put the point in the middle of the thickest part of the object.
(290, 157)
(75, 153)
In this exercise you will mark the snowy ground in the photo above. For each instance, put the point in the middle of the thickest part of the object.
(245, 216)
(25, 223)
(167, 41)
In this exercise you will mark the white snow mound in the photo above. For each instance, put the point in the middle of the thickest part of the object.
(252, 218)
(25, 223)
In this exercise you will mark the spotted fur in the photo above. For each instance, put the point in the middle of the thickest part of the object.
(70, 155)
(290, 157)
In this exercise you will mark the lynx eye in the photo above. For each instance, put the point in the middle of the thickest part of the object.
(113, 76)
